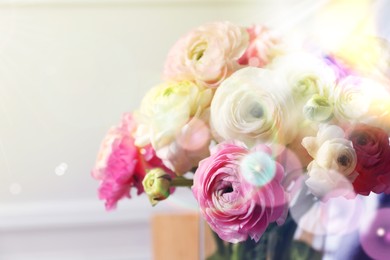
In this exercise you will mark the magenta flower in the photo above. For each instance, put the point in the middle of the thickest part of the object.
(121, 165)
(239, 191)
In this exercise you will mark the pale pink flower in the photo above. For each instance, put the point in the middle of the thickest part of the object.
(121, 165)
(208, 54)
(190, 146)
(239, 191)
(264, 45)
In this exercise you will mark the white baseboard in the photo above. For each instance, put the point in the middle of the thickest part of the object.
(59, 214)
(75, 230)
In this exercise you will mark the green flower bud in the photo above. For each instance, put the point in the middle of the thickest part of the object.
(156, 185)
(318, 109)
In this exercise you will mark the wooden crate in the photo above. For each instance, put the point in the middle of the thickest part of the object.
(178, 237)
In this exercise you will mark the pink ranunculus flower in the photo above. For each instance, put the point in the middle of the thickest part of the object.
(208, 54)
(121, 165)
(264, 45)
(239, 191)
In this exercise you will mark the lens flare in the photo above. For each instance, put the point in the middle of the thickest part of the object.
(61, 169)
(258, 168)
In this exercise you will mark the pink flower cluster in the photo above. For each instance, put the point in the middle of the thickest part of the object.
(121, 165)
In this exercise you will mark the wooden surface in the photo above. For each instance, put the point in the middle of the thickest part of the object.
(178, 237)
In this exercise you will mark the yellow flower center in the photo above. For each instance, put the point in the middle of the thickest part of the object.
(197, 51)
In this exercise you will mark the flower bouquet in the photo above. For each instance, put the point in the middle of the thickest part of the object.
(272, 140)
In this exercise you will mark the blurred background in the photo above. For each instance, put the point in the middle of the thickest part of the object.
(70, 68)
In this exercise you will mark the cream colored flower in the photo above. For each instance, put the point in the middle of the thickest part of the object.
(337, 154)
(325, 132)
(362, 100)
(325, 183)
(208, 54)
(253, 106)
(334, 160)
(306, 75)
(166, 108)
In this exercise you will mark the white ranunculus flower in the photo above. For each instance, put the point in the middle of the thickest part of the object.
(167, 108)
(325, 183)
(337, 154)
(362, 100)
(332, 155)
(253, 105)
(306, 75)
(325, 132)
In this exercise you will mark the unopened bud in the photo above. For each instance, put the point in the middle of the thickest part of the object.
(156, 185)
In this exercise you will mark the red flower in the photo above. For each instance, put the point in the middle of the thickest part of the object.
(373, 159)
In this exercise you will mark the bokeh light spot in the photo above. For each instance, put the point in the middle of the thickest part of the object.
(258, 168)
(375, 235)
(61, 169)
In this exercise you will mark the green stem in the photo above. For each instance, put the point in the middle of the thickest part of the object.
(237, 251)
(181, 182)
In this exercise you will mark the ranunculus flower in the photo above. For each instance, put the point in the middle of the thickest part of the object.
(121, 165)
(332, 154)
(166, 108)
(362, 100)
(208, 54)
(328, 183)
(264, 45)
(170, 116)
(238, 204)
(253, 105)
(306, 75)
(373, 159)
